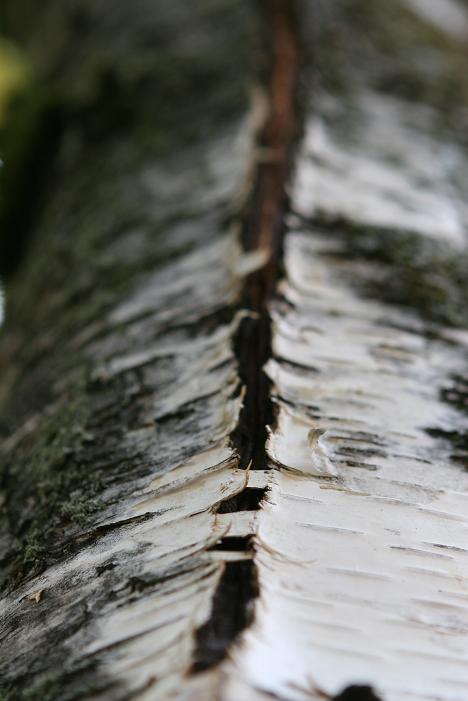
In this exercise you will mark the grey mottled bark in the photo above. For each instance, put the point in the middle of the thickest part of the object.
(116, 353)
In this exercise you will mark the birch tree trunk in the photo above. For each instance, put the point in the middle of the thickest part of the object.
(233, 368)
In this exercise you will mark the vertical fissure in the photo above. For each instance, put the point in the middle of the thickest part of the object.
(262, 230)
(264, 227)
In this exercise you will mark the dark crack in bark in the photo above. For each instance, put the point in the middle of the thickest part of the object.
(263, 230)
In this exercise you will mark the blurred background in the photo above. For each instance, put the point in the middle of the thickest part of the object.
(14, 74)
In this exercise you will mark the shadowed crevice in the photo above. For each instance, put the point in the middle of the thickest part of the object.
(263, 229)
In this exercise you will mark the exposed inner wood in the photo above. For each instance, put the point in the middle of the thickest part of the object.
(263, 229)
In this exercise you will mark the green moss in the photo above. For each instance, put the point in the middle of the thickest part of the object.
(43, 689)
(50, 486)
(410, 270)
(53, 686)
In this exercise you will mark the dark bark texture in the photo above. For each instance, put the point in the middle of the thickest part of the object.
(111, 368)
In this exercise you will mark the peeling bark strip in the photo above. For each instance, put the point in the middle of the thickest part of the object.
(263, 229)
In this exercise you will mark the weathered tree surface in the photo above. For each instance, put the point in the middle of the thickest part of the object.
(233, 386)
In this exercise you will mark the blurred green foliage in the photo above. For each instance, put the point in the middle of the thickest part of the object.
(15, 72)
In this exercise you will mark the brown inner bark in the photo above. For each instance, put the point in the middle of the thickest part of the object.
(263, 229)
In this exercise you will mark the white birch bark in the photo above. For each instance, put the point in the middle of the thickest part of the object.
(361, 541)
